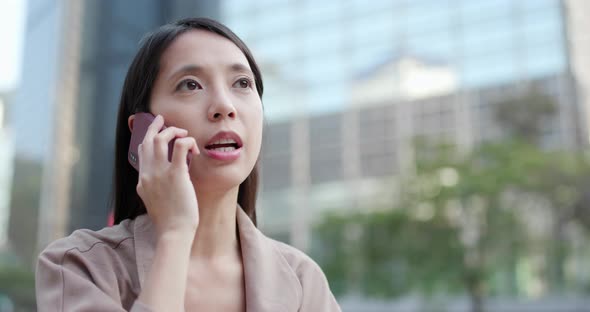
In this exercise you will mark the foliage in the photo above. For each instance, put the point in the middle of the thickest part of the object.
(19, 285)
(468, 223)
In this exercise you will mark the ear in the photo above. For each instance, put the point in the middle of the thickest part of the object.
(130, 122)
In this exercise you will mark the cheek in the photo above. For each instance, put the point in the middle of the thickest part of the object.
(179, 114)
(254, 128)
(160, 101)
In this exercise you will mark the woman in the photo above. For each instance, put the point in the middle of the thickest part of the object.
(185, 236)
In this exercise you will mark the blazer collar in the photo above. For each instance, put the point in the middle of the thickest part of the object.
(270, 282)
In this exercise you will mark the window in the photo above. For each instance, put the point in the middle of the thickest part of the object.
(326, 39)
(486, 37)
(489, 69)
(545, 59)
(424, 17)
(325, 135)
(473, 11)
(439, 45)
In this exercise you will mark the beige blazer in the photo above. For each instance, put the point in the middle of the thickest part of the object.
(105, 270)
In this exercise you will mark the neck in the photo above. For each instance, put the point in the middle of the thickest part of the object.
(216, 236)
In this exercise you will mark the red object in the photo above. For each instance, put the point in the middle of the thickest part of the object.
(111, 219)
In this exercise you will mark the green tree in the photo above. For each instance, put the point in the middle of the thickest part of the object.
(24, 209)
(523, 116)
(460, 225)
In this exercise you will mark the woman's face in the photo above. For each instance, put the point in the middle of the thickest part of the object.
(205, 85)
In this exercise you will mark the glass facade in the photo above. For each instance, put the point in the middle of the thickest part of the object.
(111, 36)
(363, 78)
(312, 53)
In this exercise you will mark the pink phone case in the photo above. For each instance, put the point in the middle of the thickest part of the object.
(140, 125)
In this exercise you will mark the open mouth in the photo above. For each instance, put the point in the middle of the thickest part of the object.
(224, 145)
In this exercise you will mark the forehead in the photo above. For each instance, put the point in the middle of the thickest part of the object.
(202, 48)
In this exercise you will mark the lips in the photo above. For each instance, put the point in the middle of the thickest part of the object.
(224, 139)
(225, 146)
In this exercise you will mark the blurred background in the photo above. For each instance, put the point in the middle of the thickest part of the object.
(430, 155)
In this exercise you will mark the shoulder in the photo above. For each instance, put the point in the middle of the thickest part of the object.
(90, 252)
(99, 266)
(87, 241)
(316, 293)
(300, 262)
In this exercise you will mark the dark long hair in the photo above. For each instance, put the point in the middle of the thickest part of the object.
(135, 98)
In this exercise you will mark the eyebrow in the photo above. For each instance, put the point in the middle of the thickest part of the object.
(193, 68)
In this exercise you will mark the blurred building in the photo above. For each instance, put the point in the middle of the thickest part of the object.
(403, 78)
(111, 31)
(33, 118)
(76, 56)
(6, 169)
(578, 37)
(348, 85)
(351, 84)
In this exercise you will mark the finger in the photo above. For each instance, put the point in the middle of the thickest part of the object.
(162, 140)
(181, 150)
(139, 189)
(145, 158)
(140, 157)
(195, 149)
(153, 130)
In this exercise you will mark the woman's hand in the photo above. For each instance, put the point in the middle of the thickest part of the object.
(165, 187)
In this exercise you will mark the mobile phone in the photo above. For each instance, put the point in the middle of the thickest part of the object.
(140, 125)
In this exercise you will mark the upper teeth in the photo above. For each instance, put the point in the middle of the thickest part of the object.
(224, 141)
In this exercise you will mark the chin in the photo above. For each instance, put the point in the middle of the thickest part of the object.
(220, 178)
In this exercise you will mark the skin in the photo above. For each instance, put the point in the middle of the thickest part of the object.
(205, 85)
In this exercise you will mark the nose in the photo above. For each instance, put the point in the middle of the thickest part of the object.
(221, 107)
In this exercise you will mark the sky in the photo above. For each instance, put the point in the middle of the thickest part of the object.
(12, 31)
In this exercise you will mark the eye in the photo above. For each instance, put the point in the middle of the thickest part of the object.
(188, 85)
(243, 83)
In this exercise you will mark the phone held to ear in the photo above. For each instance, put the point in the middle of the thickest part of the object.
(140, 125)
